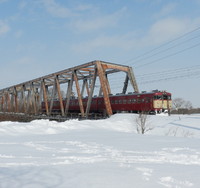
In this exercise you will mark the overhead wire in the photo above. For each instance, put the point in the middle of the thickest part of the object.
(169, 72)
(160, 73)
(165, 50)
(179, 73)
(167, 75)
(168, 78)
(162, 45)
(170, 55)
(173, 75)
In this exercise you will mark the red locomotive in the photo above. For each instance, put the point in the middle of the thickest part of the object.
(151, 102)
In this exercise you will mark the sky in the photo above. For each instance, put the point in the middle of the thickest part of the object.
(159, 39)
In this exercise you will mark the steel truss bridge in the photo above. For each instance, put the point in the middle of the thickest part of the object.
(27, 97)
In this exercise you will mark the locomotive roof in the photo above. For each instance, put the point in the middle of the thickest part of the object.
(133, 93)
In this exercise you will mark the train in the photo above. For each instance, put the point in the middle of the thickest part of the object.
(153, 102)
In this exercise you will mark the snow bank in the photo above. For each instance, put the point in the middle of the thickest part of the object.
(101, 153)
(175, 125)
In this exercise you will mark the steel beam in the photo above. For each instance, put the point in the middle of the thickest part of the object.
(79, 95)
(116, 67)
(28, 96)
(29, 103)
(133, 80)
(53, 94)
(15, 99)
(87, 88)
(12, 102)
(103, 81)
(33, 98)
(59, 96)
(24, 99)
(83, 87)
(69, 92)
(91, 93)
(2, 102)
(107, 83)
(44, 90)
(125, 84)
(8, 102)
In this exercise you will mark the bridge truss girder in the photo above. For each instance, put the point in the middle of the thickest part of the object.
(27, 97)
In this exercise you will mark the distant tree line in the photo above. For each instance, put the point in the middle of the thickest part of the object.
(181, 106)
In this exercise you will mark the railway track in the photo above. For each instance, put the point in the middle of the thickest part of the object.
(21, 117)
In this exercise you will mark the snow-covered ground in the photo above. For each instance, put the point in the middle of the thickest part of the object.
(101, 153)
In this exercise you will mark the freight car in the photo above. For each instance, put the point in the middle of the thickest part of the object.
(152, 102)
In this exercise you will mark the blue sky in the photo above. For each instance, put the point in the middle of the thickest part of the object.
(38, 37)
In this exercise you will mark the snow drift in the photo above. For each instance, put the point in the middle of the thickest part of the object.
(101, 153)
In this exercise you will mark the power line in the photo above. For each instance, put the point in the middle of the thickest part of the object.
(187, 72)
(169, 78)
(165, 50)
(170, 55)
(167, 56)
(162, 45)
(160, 73)
(171, 71)
(165, 79)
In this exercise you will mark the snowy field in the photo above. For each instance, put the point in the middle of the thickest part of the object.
(101, 153)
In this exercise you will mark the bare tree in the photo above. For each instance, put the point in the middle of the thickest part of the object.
(141, 123)
(188, 105)
(178, 103)
(182, 106)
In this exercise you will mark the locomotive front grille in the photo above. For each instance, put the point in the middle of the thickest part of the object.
(160, 104)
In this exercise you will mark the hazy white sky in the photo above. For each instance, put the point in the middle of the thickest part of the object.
(38, 37)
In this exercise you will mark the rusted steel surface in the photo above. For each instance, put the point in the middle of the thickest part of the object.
(27, 97)
(116, 67)
(15, 105)
(23, 99)
(87, 88)
(104, 86)
(125, 84)
(91, 91)
(133, 80)
(45, 97)
(83, 87)
(2, 103)
(79, 95)
(53, 94)
(107, 83)
(59, 96)
(69, 93)
(8, 102)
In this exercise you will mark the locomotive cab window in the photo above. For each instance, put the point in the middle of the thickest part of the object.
(166, 97)
(157, 97)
